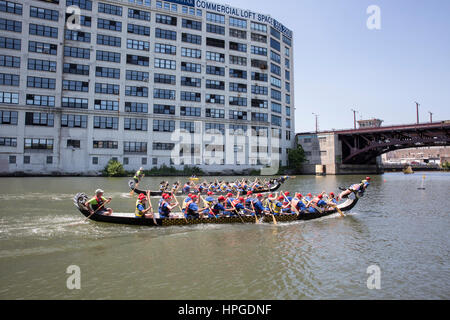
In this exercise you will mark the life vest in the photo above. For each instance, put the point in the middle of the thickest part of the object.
(188, 210)
(164, 210)
(295, 202)
(98, 204)
(276, 209)
(138, 175)
(138, 213)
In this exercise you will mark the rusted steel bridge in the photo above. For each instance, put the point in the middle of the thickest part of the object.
(363, 146)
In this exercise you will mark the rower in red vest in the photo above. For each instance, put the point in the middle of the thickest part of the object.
(317, 204)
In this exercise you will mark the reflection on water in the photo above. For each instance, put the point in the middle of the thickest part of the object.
(395, 226)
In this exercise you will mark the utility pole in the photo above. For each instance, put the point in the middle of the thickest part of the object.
(354, 117)
(431, 116)
(417, 111)
(317, 122)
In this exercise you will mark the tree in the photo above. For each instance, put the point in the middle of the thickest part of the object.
(114, 169)
(296, 158)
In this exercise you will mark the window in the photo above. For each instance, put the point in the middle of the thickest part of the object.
(9, 79)
(72, 85)
(275, 82)
(106, 123)
(11, 7)
(241, 34)
(275, 69)
(94, 160)
(218, 71)
(163, 146)
(259, 37)
(258, 27)
(213, 28)
(260, 90)
(275, 94)
(165, 34)
(236, 73)
(44, 83)
(9, 61)
(259, 117)
(191, 38)
(275, 44)
(41, 65)
(191, 67)
(237, 115)
(76, 144)
(69, 102)
(215, 43)
(190, 111)
(165, 48)
(240, 23)
(110, 9)
(43, 31)
(138, 45)
(42, 13)
(49, 159)
(215, 56)
(238, 101)
(8, 117)
(190, 24)
(191, 53)
(10, 25)
(137, 29)
(237, 129)
(74, 68)
(9, 98)
(257, 103)
(238, 87)
(187, 126)
(261, 64)
(275, 57)
(136, 91)
(241, 61)
(258, 50)
(190, 96)
(164, 94)
(105, 145)
(137, 75)
(163, 126)
(106, 105)
(8, 142)
(238, 46)
(135, 147)
(108, 56)
(215, 84)
(107, 88)
(215, 99)
(108, 40)
(164, 78)
(10, 43)
(77, 52)
(38, 144)
(214, 128)
(107, 72)
(138, 14)
(165, 64)
(215, 113)
(134, 124)
(74, 121)
(191, 82)
(163, 109)
(214, 17)
(138, 60)
(136, 107)
(39, 119)
(276, 107)
(109, 24)
(160, 18)
(77, 36)
(82, 4)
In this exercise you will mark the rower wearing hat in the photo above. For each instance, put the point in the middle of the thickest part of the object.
(192, 208)
(140, 210)
(97, 204)
(298, 203)
(258, 205)
(165, 207)
(316, 204)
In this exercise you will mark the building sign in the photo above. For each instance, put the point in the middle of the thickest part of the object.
(246, 14)
(189, 3)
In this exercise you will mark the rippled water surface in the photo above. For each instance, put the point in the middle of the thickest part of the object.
(403, 230)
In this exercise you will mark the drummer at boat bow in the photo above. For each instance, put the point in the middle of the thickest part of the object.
(359, 187)
(139, 175)
(97, 204)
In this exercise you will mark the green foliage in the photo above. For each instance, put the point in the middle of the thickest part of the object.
(114, 169)
(171, 171)
(296, 158)
(446, 166)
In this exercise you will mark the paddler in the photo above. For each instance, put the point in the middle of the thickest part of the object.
(317, 204)
(298, 203)
(258, 205)
(165, 207)
(97, 204)
(140, 210)
(359, 187)
(192, 208)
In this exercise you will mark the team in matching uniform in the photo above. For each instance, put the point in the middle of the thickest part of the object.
(195, 206)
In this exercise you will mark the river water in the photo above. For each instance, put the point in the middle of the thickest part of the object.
(396, 227)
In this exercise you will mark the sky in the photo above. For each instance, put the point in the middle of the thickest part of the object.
(340, 64)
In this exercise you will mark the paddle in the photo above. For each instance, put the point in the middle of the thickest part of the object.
(205, 203)
(98, 209)
(273, 216)
(235, 210)
(178, 204)
(151, 207)
(290, 202)
(256, 216)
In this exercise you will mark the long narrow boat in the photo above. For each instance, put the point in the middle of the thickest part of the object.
(136, 189)
(129, 218)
